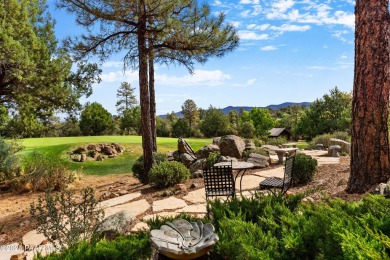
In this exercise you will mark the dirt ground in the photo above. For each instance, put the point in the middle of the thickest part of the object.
(15, 217)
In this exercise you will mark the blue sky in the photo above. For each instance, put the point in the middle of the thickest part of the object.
(290, 50)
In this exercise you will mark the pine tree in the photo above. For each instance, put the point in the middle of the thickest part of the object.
(35, 75)
(126, 98)
(370, 154)
(150, 30)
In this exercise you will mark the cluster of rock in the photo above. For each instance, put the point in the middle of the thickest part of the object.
(96, 152)
(231, 148)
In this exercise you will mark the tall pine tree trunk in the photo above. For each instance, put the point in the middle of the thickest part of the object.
(370, 160)
(147, 143)
(152, 99)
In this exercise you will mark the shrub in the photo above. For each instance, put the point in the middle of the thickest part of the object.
(9, 159)
(304, 168)
(325, 139)
(257, 150)
(258, 142)
(46, 174)
(277, 141)
(63, 220)
(282, 227)
(213, 158)
(166, 174)
(342, 136)
(138, 166)
(134, 246)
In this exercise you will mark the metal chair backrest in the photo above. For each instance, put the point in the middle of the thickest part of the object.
(288, 168)
(219, 181)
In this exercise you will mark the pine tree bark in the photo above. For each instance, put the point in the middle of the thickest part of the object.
(370, 156)
(152, 101)
(147, 143)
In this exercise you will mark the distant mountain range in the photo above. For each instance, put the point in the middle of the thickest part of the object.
(226, 110)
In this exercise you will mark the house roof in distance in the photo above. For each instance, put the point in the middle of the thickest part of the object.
(275, 132)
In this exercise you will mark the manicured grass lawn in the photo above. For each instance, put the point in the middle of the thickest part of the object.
(57, 148)
(302, 145)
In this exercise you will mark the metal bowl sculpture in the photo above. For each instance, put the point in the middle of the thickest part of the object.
(181, 239)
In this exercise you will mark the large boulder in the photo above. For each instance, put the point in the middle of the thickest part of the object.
(80, 150)
(118, 148)
(108, 150)
(260, 161)
(232, 145)
(217, 140)
(205, 151)
(115, 225)
(185, 147)
(187, 159)
(227, 159)
(198, 165)
(249, 144)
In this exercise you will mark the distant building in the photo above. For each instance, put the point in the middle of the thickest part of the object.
(278, 132)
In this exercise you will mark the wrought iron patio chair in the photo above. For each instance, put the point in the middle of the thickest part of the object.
(219, 181)
(272, 183)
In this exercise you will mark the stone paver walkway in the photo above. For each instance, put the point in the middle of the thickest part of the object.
(193, 203)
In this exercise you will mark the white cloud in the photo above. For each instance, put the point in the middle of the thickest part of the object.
(321, 68)
(291, 28)
(236, 24)
(248, 35)
(269, 48)
(245, 2)
(200, 77)
(310, 13)
(283, 5)
(245, 13)
(341, 35)
(113, 64)
(261, 27)
(251, 82)
(118, 76)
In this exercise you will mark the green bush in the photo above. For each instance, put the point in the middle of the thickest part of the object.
(278, 227)
(138, 166)
(134, 246)
(43, 173)
(258, 142)
(9, 159)
(304, 168)
(166, 174)
(325, 140)
(213, 158)
(257, 150)
(277, 141)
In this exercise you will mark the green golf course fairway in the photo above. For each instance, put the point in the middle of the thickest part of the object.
(57, 147)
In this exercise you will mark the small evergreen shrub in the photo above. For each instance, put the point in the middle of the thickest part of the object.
(134, 246)
(213, 158)
(257, 150)
(282, 227)
(325, 140)
(138, 166)
(258, 142)
(342, 136)
(277, 141)
(304, 168)
(167, 174)
(320, 139)
(9, 159)
(63, 220)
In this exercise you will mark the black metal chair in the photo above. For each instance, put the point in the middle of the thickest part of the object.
(219, 181)
(272, 183)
